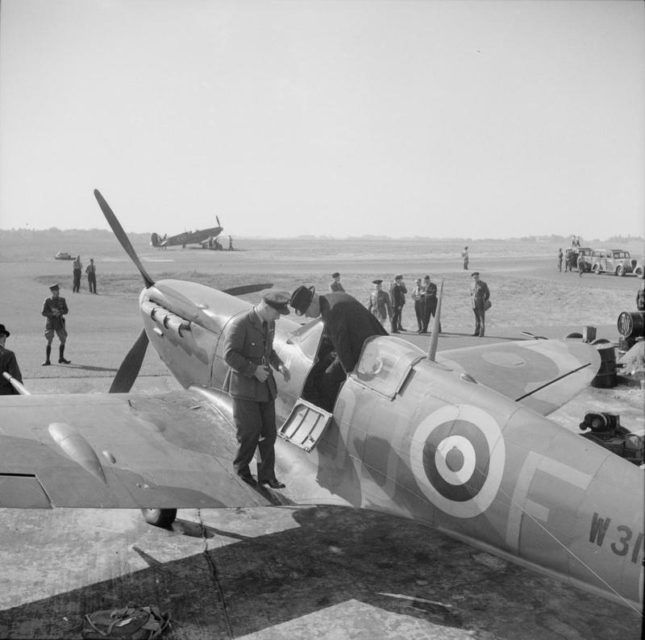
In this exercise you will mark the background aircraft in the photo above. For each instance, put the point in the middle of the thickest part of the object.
(461, 443)
(207, 238)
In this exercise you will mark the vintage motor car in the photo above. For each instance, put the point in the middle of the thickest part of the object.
(616, 261)
(63, 255)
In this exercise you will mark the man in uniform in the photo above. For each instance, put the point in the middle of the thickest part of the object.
(9, 364)
(77, 270)
(347, 325)
(335, 285)
(379, 303)
(55, 310)
(397, 296)
(248, 351)
(480, 295)
(91, 276)
(466, 257)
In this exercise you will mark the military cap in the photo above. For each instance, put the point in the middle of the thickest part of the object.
(301, 299)
(398, 277)
(377, 281)
(278, 300)
(474, 273)
(54, 287)
(3, 331)
(335, 274)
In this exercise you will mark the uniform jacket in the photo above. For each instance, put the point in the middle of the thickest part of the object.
(247, 344)
(336, 287)
(9, 364)
(347, 325)
(379, 304)
(55, 321)
(480, 293)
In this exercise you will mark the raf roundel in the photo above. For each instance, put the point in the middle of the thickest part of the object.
(457, 456)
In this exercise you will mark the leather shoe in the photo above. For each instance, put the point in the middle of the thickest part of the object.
(63, 361)
(249, 479)
(47, 363)
(274, 483)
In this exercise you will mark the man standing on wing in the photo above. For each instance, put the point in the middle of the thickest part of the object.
(248, 351)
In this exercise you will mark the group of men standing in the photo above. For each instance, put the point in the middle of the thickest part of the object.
(77, 271)
(390, 305)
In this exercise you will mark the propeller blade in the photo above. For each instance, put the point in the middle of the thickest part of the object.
(436, 323)
(219, 224)
(247, 288)
(131, 365)
(122, 237)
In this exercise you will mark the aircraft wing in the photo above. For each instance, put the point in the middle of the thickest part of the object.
(118, 451)
(541, 374)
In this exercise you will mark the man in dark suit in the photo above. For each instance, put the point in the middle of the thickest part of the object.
(9, 364)
(347, 325)
(397, 296)
(248, 351)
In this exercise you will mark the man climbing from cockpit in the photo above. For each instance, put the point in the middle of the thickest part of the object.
(347, 324)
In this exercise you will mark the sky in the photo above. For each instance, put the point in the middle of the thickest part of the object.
(469, 119)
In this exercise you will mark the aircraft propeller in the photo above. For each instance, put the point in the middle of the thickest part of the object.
(129, 370)
(131, 365)
(122, 237)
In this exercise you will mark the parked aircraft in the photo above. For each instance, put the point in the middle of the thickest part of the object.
(461, 442)
(207, 238)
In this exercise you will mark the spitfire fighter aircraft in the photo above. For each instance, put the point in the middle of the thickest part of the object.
(207, 238)
(459, 441)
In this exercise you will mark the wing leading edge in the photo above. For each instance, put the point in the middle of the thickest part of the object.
(118, 451)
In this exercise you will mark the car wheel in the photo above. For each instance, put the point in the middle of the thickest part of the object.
(620, 270)
(596, 269)
(639, 271)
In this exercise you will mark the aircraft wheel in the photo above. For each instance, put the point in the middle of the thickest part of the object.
(574, 336)
(159, 517)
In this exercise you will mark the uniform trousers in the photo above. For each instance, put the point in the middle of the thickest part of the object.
(480, 318)
(255, 424)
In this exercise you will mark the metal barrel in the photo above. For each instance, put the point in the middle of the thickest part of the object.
(631, 324)
(606, 376)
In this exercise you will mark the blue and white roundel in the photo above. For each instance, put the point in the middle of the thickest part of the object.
(457, 456)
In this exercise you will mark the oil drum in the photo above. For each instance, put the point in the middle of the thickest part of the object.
(631, 324)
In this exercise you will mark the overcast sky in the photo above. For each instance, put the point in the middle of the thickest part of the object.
(446, 119)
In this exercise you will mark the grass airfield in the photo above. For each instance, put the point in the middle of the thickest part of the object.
(288, 572)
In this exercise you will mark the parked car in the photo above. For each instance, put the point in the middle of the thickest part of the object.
(63, 255)
(616, 261)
